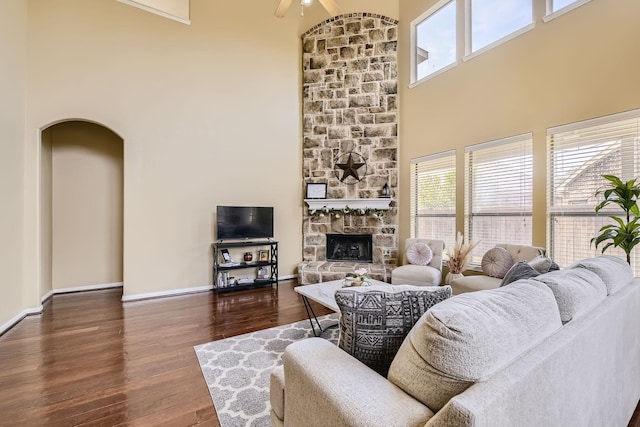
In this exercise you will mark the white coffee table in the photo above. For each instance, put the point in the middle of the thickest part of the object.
(325, 294)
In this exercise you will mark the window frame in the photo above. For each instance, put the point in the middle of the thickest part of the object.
(588, 135)
(438, 160)
(469, 53)
(553, 14)
(414, 81)
(469, 187)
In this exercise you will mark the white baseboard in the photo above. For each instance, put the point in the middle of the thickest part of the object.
(170, 293)
(290, 276)
(80, 289)
(4, 328)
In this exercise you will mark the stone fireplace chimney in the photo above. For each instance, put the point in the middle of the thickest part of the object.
(350, 106)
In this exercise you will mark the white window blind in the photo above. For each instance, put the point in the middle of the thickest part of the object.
(498, 193)
(578, 155)
(433, 197)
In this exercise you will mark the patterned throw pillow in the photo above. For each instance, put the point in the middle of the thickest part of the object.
(373, 323)
(496, 262)
(419, 254)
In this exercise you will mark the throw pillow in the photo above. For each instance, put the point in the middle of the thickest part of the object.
(543, 264)
(519, 270)
(419, 254)
(496, 262)
(373, 323)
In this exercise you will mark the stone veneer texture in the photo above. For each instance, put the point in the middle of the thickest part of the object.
(350, 105)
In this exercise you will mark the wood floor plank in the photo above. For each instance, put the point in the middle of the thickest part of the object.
(91, 360)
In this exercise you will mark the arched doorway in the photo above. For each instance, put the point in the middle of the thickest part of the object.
(81, 199)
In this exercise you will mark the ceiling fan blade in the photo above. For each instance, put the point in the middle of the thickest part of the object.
(283, 6)
(331, 6)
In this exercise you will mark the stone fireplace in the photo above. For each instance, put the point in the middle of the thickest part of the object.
(350, 106)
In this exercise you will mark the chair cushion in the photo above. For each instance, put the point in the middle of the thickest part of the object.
(469, 337)
(373, 323)
(419, 254)
(613, 271)
(496, 262)
(418, 275)
(576, 290)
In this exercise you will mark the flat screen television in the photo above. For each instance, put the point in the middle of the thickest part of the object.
(244, 222)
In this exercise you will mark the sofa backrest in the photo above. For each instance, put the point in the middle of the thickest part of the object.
(469, 337)
(522, 252)
(436, 246)
(585, 374)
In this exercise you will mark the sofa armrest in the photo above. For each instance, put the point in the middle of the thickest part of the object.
(326, 386)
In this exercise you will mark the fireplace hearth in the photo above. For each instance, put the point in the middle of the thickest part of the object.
(349, 247)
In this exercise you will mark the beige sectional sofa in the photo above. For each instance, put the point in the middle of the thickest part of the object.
(562, 349)
(481, 282)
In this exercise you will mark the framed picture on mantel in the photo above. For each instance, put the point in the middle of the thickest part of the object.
(316, 191)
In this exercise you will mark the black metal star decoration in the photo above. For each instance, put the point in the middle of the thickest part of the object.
(350, 167)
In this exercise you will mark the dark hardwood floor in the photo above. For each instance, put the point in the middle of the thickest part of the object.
(91, 360)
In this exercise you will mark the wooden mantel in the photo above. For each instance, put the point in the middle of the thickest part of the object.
(380, 203)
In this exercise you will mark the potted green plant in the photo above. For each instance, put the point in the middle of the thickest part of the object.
(625, 233)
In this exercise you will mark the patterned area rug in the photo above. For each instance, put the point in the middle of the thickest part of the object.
(237, 369)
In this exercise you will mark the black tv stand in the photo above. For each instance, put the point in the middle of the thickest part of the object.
(222, 281)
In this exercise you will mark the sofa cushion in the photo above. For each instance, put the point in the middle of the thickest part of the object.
(469, 337)
(613, 271)
(519, 270)
(419, 254)
(496, 262)
(576, 290)
(373, 323)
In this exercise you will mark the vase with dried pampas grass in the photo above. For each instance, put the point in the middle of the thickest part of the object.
(459, 258)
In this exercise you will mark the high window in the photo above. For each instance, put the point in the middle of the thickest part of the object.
(434, 40)
(433, 197)
(493, 21)
(578, 155)
(498, 193)
(559, 7)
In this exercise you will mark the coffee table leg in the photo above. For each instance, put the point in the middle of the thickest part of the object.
(312, 317)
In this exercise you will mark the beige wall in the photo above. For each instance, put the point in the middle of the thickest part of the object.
(13, 45)
(209, 114)
(46, 213)
(87, 177)
(581, 65)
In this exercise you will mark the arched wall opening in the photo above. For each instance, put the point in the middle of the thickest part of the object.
(81, 207)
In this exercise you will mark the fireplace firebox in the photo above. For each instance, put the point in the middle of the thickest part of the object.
(349, 247)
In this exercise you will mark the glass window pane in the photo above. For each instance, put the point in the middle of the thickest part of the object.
(559, 4)
(579, 154)
(499, 193)
(492, 20)
(433, 197)
(436, 41)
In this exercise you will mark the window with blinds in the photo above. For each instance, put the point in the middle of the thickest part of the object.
(578, 155)
(499, 193)
(433, 197)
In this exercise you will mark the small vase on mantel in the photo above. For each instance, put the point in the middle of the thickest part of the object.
(450, 277)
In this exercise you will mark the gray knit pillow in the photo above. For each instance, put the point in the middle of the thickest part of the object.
(543, 264)
(520, 270)
(373, 323)
(496, 262)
